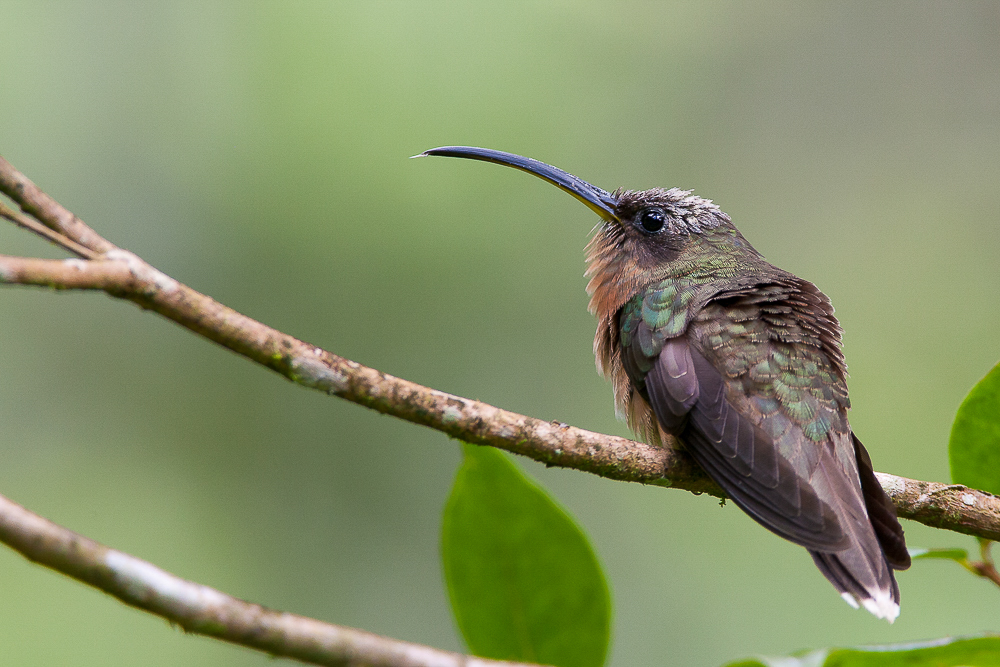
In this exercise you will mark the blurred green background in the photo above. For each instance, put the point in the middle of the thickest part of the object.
(258, 152)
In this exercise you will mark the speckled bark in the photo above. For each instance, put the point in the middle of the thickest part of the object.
(206, 611)
(124, 275)
(949, 506)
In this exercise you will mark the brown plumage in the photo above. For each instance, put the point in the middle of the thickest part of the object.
(741, 362)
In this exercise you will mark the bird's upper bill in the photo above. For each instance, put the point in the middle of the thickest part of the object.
(604, 203)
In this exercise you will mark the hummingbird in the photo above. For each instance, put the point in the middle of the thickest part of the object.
(741, 363)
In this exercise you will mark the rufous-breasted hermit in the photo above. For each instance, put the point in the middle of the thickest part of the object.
(741, 362)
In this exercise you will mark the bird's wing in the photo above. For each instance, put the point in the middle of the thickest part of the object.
(752, 391)
(739, 455)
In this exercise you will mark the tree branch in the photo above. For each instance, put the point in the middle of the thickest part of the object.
(206, 611)
(124, 275)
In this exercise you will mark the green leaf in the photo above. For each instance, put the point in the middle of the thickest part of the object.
(523, 580)
(958, 555)
(974, 447)
(978, 651)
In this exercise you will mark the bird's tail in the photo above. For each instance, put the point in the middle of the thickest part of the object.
(862, 573)
(861, 579)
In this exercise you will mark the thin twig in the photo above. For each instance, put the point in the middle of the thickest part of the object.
(206, 611)
(985, 568)
(47, 210)
(55, 237)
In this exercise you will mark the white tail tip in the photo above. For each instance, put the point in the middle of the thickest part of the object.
(881, 606)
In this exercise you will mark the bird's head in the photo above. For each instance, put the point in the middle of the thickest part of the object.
(644, 236)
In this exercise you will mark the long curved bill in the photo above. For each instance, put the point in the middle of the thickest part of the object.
(601, 202)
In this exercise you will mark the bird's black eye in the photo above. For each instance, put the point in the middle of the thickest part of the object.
(652, 220)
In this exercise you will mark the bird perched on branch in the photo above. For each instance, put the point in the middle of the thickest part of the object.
(706, 341)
